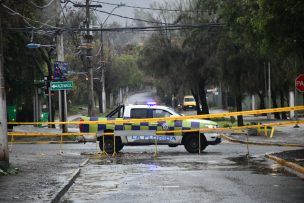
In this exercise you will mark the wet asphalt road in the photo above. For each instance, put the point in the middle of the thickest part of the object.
(222, 173)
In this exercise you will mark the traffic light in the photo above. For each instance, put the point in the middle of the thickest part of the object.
(47, 80)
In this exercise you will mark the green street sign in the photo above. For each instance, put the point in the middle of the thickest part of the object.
(66, 85)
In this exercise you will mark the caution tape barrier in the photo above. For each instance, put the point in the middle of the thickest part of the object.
(253, 112)
(258, 126)
(33, 134)
(158, 133)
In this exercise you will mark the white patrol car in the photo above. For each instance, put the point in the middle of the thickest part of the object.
(146, 133)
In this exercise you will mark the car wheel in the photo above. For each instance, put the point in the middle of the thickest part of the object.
(191, 143)
(172, 145)
(109, 144)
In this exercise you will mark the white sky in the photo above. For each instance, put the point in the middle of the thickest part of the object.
(124, 11)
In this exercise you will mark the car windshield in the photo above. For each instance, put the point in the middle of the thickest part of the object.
(174, 113)
(189, 99)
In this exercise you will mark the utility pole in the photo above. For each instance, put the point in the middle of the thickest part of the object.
(88, 61)
(88, 57)
(102, 79)
(60, 57)
(4, 154)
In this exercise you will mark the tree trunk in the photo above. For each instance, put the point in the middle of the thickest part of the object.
(262, 101)
(238, 100)
(196, 98)
(203, 99)
(100, 101)
(274, 104)
(283, 114)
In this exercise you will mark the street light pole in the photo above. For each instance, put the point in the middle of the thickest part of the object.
(4, 154)
(89, 54)
(102, 62)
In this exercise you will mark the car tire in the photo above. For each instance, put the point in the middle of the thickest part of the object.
(109, 144)
(191, 143)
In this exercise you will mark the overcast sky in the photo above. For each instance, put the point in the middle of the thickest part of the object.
(124, 11)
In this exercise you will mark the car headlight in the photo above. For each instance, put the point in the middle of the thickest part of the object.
(210, 126)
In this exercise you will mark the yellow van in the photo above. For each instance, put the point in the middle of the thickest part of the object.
(189, 102)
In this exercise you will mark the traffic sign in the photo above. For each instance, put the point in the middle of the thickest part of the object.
(60, 70)
(299, 83)
(66, 85)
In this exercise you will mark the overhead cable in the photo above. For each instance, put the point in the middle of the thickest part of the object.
(130, 18)
(144, 8)
(139, 28)
(26, 19)
(125, 17)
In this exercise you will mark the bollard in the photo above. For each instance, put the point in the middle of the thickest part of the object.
(199, 143)
(114, 152)
(272, 132)
(265, 130)
(155, 149)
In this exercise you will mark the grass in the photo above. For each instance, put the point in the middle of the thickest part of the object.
(229, 122)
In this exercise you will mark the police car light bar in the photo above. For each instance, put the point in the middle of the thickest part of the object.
(151, 103)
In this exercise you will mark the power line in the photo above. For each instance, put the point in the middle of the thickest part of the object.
(138, 28)
(26, 19)
(144, 8)
(125, 17)
(130, 18)
(200, 26)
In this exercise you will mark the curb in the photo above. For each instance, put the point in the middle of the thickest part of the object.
(260, 143)
(56, 198)
(289, 166)
(84, 163)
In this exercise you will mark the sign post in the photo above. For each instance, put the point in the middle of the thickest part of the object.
(299, 85)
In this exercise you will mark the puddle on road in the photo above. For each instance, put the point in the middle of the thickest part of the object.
(180, 161)
(258, 165)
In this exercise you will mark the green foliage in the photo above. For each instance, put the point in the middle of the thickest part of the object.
(21, 65)
(124, 72)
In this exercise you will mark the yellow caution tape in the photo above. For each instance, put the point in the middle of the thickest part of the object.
(253, 112)
(32, 134)
(169, 131)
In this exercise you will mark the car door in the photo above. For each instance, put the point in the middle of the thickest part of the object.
(140, 132)
(167, 125)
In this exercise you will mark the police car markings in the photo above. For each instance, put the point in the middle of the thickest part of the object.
(151, 137)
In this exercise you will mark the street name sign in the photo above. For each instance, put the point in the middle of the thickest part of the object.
(299, 83)
(66, 85)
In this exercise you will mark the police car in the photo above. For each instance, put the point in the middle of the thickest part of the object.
(147, 133)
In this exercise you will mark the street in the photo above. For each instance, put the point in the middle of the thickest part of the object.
(222, 173)
(151, 101)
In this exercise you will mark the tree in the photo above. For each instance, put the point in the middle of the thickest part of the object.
(162, 58)
(21, 71)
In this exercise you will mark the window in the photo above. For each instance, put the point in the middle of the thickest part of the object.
(159, 113)
(117, 112)
(189, 99)
(139, 113)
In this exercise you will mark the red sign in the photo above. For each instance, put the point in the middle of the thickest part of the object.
(299, 83)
